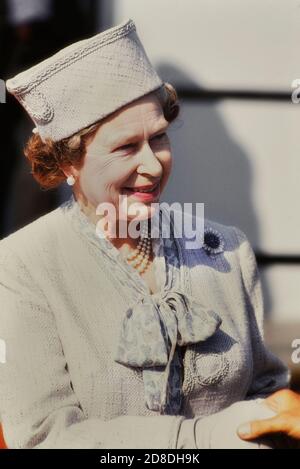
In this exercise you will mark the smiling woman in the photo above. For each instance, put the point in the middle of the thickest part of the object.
(128, 152)
(47, 158)
(160, 347)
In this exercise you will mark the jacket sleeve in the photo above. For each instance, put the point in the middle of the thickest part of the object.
(218, 430)
(38, 406)
(269, 373)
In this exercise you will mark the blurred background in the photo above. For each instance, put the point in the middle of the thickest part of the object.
(235, 145)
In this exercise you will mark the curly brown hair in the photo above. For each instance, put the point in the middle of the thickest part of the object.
(48, 158)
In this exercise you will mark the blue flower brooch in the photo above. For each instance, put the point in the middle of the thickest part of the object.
(213, 242)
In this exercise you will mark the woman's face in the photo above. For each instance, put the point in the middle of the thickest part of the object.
(129, 150)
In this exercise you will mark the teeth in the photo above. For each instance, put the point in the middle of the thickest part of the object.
(144, 190)
(147, 190)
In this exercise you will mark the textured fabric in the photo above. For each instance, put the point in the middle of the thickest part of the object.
(218, 431)
(64, 294)
(85, 82)
(149, 335)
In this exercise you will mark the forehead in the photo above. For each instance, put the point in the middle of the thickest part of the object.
(144, 116)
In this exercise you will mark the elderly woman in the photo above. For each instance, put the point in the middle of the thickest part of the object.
(122, 341)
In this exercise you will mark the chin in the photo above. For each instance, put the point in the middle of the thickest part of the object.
(146, 212)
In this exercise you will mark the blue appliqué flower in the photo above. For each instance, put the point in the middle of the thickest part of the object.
(213, 241)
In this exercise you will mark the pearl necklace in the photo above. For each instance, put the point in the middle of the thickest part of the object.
(139, 258)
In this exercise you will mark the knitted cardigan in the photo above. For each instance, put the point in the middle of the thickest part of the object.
(63, 295)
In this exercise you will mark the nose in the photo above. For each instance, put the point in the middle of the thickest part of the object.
(148, 162)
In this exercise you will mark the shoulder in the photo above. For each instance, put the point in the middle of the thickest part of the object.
(240, 255)
(234, 241)
(207, 233)
(231, 236)
(199, 232)
(34, 238)
(221, 246)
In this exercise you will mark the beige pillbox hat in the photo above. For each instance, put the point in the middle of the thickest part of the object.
(85, 82)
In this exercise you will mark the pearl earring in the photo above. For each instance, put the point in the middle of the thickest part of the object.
(70, 180)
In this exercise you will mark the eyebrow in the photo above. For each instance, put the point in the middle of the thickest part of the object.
(125, 138)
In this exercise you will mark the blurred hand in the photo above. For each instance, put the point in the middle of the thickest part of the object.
(218, 431)
(286, 404)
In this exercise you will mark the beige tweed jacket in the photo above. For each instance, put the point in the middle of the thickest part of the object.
(63, 295)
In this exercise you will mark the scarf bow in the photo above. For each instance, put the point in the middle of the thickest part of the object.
(150, 332)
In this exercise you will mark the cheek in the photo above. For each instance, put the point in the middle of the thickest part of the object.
(100, 181)
(163, 154)
(166, 161)
(94, 177)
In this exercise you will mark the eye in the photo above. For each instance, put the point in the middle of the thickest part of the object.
(129, 146)
(159, 136)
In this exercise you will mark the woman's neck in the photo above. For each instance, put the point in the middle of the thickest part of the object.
(124, 244)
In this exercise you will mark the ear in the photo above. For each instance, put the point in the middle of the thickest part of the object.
(71, 171)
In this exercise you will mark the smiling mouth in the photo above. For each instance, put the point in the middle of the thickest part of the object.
(151, 189)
